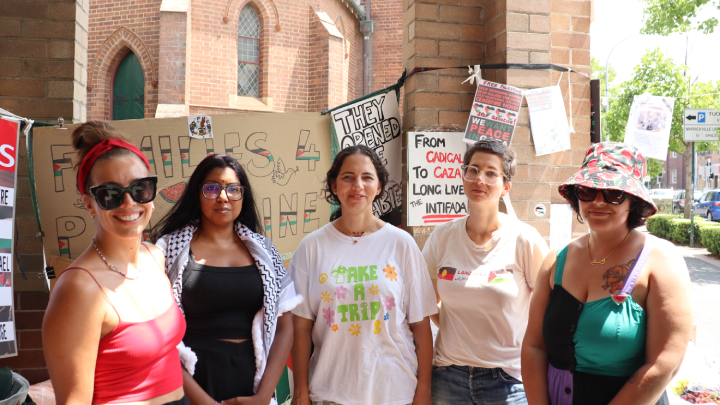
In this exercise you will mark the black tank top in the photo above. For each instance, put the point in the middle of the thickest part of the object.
(221, 302)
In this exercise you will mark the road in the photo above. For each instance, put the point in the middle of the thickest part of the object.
(705, 277)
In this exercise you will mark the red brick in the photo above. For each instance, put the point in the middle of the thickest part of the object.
(460, 14)
(461, 49)
(435, 100)
(580, 24)
(561, 56)
(30, 339)
(24, 9)
(32, 301)
(32, 359)
(10, 28)
(539, 23)
(573, 7)
(581, 57)
(425, 29)
(13, 48)
(61, 69)
(25, 320)
(559, 22)
(566, 40)
(531, 42)
(472, 32)
(62, 11)
(22, 88)
(47, 29)
(525, 6)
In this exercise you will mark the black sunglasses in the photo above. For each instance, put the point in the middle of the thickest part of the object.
(110, 196)
(587, 194)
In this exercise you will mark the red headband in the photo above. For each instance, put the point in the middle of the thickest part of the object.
(97, 151)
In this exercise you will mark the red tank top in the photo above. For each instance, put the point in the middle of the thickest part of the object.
(138, 361)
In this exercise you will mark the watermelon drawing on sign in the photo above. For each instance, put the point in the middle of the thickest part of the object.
(173, 193)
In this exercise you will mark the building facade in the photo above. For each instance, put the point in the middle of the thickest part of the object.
(163, 58)
(708, 170)
(674, 172)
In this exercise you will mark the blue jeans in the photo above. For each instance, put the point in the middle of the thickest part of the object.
(463, 385)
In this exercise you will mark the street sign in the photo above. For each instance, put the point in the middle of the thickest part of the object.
(700, 125)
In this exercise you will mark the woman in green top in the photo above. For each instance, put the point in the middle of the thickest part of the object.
(610, 317)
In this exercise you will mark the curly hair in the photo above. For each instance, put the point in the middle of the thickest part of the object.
(332, 174)
(639, 209)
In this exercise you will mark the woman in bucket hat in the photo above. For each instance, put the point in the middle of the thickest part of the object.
(610, 317)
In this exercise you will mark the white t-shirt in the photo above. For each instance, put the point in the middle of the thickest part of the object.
(485, 292)
(362, 298)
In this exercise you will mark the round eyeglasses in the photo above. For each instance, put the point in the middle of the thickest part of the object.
(490, 176)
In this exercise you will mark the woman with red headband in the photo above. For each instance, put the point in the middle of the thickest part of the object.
(112, 326)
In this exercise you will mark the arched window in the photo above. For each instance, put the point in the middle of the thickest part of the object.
(129, 90)
(248, 79)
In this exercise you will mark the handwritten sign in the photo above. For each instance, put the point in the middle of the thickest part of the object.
(435, 186)
(9, 135)
(285, 156)
(375, 122)
(494, 112)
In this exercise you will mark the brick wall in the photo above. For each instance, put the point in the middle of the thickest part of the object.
(171, 57)
(117, 27)
(386, 43)
(465, 32)
(39, 71)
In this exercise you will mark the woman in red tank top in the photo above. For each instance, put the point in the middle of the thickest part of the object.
(112, 326)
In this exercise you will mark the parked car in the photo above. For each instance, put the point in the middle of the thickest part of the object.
(678, 206)
(663, 198)
(709, 205)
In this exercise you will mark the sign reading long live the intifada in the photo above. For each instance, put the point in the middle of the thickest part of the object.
(435, 186)
(285, 156)
(9, 136)
(494, 113)
(375, 122)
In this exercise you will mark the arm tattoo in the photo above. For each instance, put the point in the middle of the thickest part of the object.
(615, 277)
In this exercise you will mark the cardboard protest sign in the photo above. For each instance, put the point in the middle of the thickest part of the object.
(9, 136)
(494, 112)
(648, 127)
(375, 122)
(548, 120)
(286, 157)
(435, 186)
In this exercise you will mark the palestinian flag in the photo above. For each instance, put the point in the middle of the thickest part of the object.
(501, 276)
(184, 158)
(284, 389)
(167, 161)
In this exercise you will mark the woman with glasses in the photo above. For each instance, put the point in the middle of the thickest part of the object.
(483, 267)
(231, 285)
(367, 299)
(610, 317)
(111, 327)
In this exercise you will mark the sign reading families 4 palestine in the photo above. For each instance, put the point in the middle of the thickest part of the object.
(494, 113)
(435, 186)
(375, 122)
(9, 136)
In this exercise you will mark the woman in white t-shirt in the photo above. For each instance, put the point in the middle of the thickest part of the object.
(367, 299)
(483, 267)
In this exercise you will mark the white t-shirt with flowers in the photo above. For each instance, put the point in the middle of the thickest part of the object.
(362, 298)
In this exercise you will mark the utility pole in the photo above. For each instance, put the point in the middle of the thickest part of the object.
(692, 187)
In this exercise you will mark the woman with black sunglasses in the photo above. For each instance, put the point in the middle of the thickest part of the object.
(610, 317)
(231, 285)
(111, 327)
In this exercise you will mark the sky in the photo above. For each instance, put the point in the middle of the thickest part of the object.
(618, 19)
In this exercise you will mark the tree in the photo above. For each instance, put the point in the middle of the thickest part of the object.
(598, 72)
(668, 16)
(660, 76)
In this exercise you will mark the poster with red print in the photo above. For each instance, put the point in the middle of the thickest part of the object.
(9, 135)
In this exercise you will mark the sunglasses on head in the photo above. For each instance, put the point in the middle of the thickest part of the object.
(233, 191)
(110, 196)
(587, 194)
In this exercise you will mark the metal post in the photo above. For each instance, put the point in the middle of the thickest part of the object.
(692, 199)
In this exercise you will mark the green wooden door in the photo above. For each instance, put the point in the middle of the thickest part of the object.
(129, 90)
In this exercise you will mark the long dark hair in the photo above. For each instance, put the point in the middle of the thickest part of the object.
(187, 210)
(334, 171)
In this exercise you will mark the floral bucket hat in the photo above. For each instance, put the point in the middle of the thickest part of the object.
(614, 166)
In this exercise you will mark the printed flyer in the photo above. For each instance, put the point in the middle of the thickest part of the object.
(494, 113)
(648, 127)
(548, 120)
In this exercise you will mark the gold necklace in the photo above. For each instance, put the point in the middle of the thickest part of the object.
(594, 262)
(353, 233)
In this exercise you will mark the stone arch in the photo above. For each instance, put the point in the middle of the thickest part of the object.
(102, 71)
(232, 10)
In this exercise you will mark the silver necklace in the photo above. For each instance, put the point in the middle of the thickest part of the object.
(110, 266)
(359, 235)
